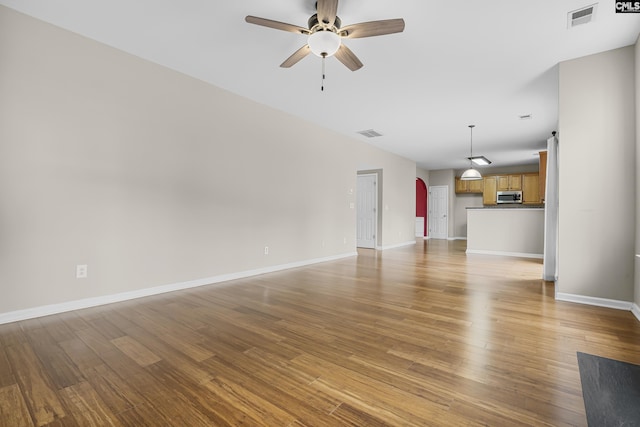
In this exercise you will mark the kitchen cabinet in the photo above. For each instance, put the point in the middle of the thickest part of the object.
(508, 182)
(475, 186)
(489, 194)
(530, 189)
(542, 179)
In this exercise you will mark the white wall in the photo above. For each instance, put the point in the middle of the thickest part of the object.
(152, 178)
(597, 176)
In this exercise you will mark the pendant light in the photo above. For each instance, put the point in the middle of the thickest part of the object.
(471, 174)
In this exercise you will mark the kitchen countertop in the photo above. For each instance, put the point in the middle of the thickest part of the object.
(514, 206)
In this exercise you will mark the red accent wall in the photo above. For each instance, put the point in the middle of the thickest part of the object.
(421, 201)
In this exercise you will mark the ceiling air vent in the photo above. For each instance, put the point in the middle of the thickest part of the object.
(370, 133)
(582, 16)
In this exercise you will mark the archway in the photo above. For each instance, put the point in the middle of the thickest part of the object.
(421, 208)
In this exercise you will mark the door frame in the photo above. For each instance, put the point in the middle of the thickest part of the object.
(446, 205)
(378, 194)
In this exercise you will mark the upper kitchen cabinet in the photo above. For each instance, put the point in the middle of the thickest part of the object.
(474, 186)
(508, 182)
(530, 189)
(489, 196)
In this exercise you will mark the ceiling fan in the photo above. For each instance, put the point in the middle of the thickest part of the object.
(325, 32)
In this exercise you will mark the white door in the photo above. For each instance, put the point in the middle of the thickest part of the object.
(367, 201)
(439, 211)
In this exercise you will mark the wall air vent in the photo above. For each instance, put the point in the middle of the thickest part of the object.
(370, 133)
(582, 16)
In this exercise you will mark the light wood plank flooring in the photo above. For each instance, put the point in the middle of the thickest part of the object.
(422, 335)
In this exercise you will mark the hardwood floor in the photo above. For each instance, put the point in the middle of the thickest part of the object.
(422, 335)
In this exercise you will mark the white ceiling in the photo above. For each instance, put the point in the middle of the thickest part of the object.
(457, 63)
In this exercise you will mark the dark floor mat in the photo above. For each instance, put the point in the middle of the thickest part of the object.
(611, 391)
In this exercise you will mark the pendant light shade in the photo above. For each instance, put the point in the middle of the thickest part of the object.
(471, 174)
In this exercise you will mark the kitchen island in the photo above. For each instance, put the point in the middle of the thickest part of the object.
(509, 231)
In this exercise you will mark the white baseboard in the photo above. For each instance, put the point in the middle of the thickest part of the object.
(397, 245)
(47, 310)
(600, 302)
(635, 310)
(500, 253)
(448, 238)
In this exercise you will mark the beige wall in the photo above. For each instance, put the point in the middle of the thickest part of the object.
(153, 178)
(461, 203)
(597, 174)
(423, 175)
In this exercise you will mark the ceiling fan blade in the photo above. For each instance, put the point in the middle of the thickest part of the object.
(327, 11)
(276, 24)
(373, 28)
(297, 56)
(348, 58)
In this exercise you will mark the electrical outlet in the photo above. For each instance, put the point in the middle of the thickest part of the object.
(266, 250)
(344, 240)
(81, 271)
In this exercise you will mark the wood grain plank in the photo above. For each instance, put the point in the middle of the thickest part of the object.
(6, 374)
(290, 392)
(35, 383)
(83, 357)
(251, 404)
(170, 354)
(136, 351)
(13, 409)
(205, 407)
(143, 415)
(116, 393)
(12, 334)
(87, 407)
(62, 371)
(347, 414)
(175, 338)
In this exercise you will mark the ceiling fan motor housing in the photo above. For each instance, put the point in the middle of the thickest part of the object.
(315, 25)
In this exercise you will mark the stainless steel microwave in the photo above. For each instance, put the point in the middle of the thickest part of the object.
(509, 197)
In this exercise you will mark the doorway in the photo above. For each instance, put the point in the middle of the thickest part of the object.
(367, 215)
(421, 208)
(439, 212)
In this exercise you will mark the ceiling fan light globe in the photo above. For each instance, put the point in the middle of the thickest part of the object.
(324, 43)
(471, 175)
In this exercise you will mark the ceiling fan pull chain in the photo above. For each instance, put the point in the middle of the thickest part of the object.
(324, 57)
